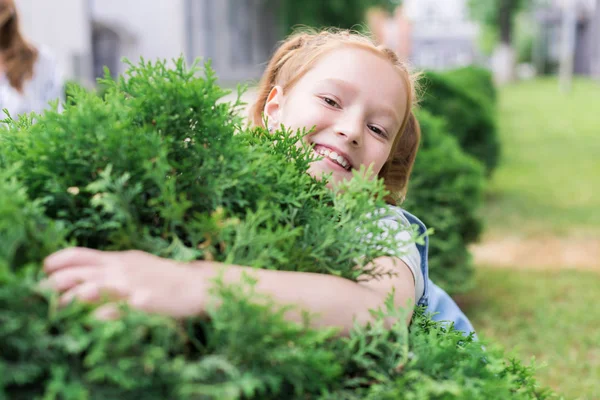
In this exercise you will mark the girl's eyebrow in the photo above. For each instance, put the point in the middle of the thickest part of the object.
(388, 112)
(340, 83)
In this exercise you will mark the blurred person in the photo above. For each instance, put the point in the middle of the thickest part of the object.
(393, 31)
(377, 19)
(403, 30)
(29, 77)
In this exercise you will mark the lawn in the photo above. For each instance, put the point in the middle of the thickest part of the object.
(548, 181)
(546, 185)
(550, 315)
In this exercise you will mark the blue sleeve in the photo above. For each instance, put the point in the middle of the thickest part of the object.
(437, 301)
(444, 309)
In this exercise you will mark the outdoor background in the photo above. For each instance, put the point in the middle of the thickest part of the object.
(536, 281)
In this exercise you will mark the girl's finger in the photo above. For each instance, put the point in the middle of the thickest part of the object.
(87, 292)
(64, 279)
(142, 300)
(92, 292)
(74, 256)
(107, 312)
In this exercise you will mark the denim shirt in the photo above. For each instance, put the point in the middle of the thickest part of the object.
(437, 301)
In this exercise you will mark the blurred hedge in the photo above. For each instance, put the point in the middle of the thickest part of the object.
(346, 14)
(465, 101)
(446, 192)
(476, 80)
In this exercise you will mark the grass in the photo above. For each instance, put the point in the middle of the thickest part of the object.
(548, 181)
(550, 315)
(547, 184)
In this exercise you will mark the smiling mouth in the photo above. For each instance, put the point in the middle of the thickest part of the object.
(333, 156)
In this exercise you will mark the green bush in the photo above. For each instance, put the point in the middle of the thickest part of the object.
(478, 81)
(72, 87)
(446, 192)
(160, 165)
(345, 14)
(470, 118)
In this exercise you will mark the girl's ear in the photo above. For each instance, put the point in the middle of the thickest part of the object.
(273, 105)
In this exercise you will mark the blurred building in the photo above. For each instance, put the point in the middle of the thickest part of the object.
(86, 35)
(64, 27)
(595, 64)
(442, 35)
(587, 37)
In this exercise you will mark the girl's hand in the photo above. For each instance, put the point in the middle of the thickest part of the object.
(144, 281)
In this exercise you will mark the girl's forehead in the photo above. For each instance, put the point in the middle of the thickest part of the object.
(355, 64)
(357, 69)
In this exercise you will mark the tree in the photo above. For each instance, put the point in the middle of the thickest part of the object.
(347, 14)
(498, 16)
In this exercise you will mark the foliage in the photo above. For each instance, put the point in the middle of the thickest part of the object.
(538, 188)
(387, 5)
(477, 80)
(525, 37)
(487, 11)
(72, 87)
(161, 165)
(446, 192)
(498, 15)
(469, 116)
(346, 14)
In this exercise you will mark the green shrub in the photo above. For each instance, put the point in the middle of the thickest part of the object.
(446, 192)
(159, 165)
(476, 80)
(72, 87)
(346, 14)
(470, 118)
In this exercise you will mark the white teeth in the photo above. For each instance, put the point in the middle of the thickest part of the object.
(332, 155)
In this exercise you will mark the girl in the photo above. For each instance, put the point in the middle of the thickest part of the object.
(357, 97)
(28, 76)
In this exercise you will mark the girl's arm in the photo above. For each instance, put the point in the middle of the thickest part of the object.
(336, 301)
(154, 284)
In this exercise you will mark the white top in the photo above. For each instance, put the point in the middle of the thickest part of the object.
(411, 256)
(44, 86)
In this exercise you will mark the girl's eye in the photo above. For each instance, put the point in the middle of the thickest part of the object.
(376, 130)
(331, 102)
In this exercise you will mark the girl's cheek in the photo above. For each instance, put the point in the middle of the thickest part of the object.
(317, 118)
(307, 116)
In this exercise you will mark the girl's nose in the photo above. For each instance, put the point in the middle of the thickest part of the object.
(353, 139)
(352, 133)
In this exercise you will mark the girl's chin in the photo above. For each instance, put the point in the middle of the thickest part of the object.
(335, 177)
(323, 167)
